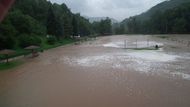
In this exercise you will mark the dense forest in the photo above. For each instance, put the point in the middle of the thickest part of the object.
(169, 17)
(30, 22)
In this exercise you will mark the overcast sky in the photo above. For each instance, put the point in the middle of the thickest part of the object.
(117, 9)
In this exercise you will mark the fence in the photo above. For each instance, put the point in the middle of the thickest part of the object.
(138, 44)
(184, 42)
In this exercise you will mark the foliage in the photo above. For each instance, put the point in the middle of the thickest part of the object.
(27, 40)
(118, 28)
(40, 18)
(75, 24)
(25, 23)
(51, 40)
(53, 26)
(85, 28)
(6, 42)
(104, 27)
(168, 21)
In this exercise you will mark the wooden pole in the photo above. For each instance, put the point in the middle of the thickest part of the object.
(7, 58)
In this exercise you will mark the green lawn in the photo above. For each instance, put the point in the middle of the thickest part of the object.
(12, 64)
(46, 46)
(20, 52)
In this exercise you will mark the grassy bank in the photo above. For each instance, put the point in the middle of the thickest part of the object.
(20, 52)
(9, 65)
(46, 46)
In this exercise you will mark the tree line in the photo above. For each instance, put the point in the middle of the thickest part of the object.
(28, 22)
(170, 21)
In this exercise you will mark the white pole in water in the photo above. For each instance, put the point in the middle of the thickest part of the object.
(148, 43)
(136, 43)
(125, 44)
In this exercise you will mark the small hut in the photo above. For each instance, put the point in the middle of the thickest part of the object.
(7, 52)
(33, 50)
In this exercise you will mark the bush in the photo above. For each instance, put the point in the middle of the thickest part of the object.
(6, 42)
(23, 40)
(35, 40)
(27, 40)
(51, 40)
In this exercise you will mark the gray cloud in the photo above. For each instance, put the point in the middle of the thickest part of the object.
(118, 9)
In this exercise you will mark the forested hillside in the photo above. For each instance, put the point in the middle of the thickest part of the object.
(172, 16)
(29, 22)
(168, 4)
(39, 22)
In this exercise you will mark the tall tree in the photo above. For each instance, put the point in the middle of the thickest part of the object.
(53, 26)
(75, 26)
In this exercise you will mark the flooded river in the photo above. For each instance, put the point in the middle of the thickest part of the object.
(102, 73)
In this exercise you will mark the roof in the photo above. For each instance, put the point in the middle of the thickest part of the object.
(6, 52)
(32, 47)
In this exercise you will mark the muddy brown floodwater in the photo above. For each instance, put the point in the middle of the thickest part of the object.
(101, 73)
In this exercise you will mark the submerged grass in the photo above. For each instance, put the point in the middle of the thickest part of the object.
(9, 65)
(163, 37)
(145, 48)
(141, 49)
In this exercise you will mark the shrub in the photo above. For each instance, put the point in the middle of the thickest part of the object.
(51, 40)
(6, 42)
(35, 40)
(27, 40)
